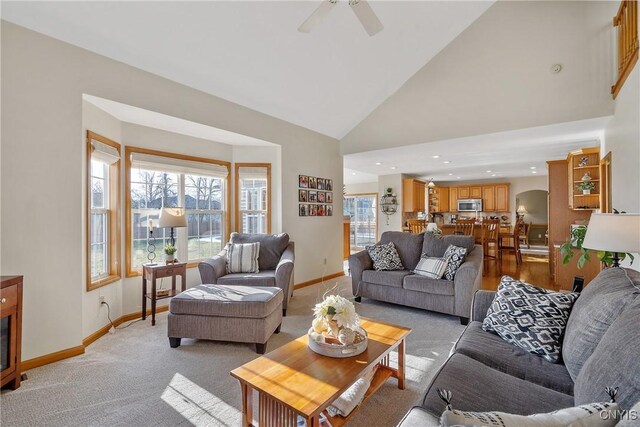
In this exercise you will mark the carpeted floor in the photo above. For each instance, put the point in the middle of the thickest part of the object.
(133, 377)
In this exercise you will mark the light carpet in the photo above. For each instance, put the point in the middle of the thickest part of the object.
(133, 377)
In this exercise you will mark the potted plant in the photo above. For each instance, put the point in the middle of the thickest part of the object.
(576, 240)
(586, 186)
(169, 252)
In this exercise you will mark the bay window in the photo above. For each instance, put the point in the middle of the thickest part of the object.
(103, 234)
(158, 179)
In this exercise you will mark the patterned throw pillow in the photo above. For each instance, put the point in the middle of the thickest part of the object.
(432, 268)
(385, 257)
(531, 318)
(456, 256)
(243, 257)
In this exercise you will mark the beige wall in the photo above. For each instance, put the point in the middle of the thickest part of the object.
(496, 76)
(394, 222)
(362, 188)
(536, 202)
(42, 143)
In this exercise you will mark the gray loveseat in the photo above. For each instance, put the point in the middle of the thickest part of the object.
(275, 262)
(601, 348)
(405, 288)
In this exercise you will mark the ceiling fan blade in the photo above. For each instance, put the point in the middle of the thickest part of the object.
(317, 16)
(367, 17)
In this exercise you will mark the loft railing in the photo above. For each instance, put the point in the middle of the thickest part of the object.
(626, 21)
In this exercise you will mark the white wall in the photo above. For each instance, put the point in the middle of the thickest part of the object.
(362, 188)
(394, 221)
(42, 138)
(495, 76)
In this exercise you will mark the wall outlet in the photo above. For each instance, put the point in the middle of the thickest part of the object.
(101, 299)
(325, 261)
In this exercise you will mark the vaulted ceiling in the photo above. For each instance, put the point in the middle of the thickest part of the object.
(251, 53)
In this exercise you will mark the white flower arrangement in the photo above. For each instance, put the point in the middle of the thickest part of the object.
(338, 309)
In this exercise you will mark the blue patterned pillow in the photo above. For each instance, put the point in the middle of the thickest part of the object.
(455, 255)
(531, 318)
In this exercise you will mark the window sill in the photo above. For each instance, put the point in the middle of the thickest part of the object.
(102, 282)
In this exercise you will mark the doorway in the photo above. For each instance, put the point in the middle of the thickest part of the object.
(363, 222)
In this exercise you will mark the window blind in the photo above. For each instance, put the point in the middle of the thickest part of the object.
(259, 172)
(104, 152)
(170, 164)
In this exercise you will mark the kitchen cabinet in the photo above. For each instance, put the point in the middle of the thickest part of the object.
(438, 199)
(502, 198)
(475, 192)
(453, 199)
(463, 192)
(489, 198)
(413, 195)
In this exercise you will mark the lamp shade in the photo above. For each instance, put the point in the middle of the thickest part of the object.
(613, 233)
(172, 217)
(522, 209)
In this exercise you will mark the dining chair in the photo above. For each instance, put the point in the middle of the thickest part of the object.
(465, 227)
(515, 237)
(417, 226)
(490, 236)
(524, 234)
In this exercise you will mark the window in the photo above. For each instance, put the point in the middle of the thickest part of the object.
(361, 209)
(253, 197)
(156, 180)
(103, 234)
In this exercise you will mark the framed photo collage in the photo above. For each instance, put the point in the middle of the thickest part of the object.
(315, 196)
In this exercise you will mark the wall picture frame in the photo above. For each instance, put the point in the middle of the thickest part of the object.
(328, 185)
(312, 196)
(321, 196)
(321, 210)
(312, 182)
(303, 181)
(313, 210)
(329, 197)
(329, 210)
(303, 210)
(320, 182)
(303, 196)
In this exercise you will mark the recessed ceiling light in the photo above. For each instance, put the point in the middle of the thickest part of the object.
(353, 173)
(447, 162)
(393, 167)
(532, 167)
(450, 174)
(378, 163)
(493, 174)
(488, 171)
(534, 172)
(437, 156)
(457, 177)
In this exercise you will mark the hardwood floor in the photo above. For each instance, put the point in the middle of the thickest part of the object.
(534, 270)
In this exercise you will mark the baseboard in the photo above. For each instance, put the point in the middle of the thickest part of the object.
(78, 350)
(318, 280)
(52, 357)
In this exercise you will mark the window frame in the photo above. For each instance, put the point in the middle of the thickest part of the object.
(237, 199)
(129, 150)
(113, 229)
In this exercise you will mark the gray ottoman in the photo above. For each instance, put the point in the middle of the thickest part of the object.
(234, 313)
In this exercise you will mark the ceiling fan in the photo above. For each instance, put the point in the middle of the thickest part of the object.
(361, 8)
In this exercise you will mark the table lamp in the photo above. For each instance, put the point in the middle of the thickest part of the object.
(616, 233)
(172, 218)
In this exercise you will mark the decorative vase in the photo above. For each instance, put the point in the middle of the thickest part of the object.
(169, 258)
(586, 192)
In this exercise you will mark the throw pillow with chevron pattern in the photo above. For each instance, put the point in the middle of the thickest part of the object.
(531, 318)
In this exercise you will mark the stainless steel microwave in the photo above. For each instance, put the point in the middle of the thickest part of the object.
(470, 205)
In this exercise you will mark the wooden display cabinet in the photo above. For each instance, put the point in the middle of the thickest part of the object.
(438, 199)
(580, 163)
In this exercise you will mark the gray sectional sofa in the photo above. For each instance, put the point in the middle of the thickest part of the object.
(601, 348)
(405, 288)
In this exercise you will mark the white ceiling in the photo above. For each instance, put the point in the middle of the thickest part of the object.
(140, 116)
(250, 53)
(506, 154)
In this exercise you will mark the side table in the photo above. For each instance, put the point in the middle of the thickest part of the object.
(158, 271)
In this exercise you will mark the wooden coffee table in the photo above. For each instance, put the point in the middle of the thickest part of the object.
(293, 380)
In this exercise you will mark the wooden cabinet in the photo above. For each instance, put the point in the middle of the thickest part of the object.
(413, 195)
(489, 198)
(463, 192)
(10, 330)
(584, 165)
(502, 198)
(564, 273)
(438, 199)
(475, 192)
(453, 199)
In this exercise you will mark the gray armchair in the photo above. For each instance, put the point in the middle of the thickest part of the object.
(275, 262)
